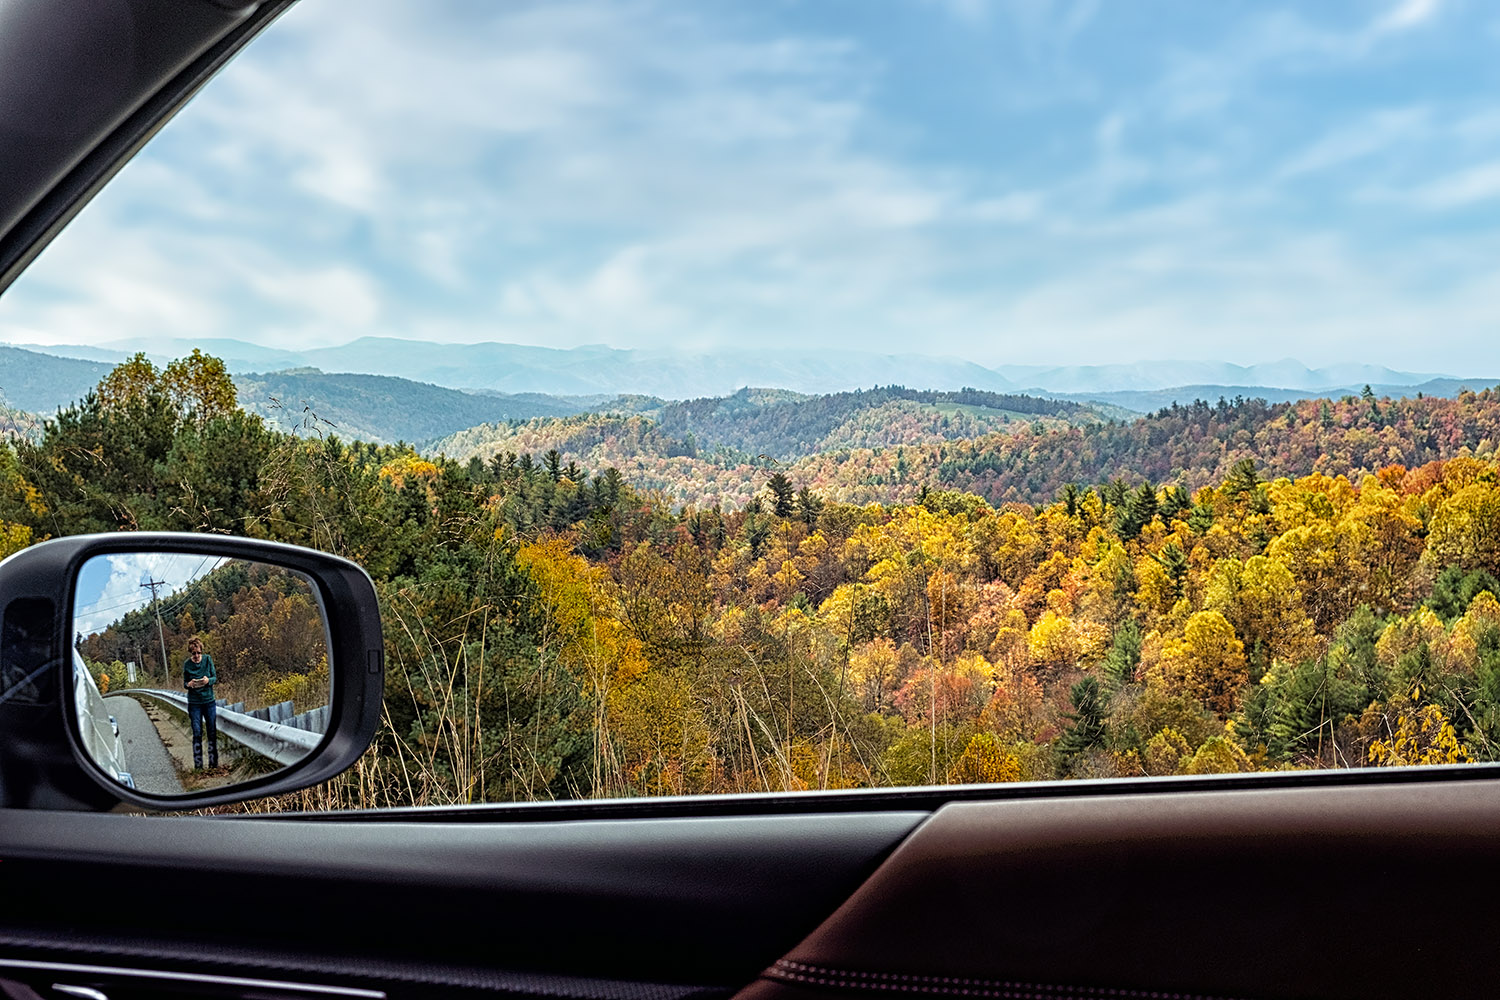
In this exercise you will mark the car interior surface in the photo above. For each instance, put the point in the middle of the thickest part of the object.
(1329, 885)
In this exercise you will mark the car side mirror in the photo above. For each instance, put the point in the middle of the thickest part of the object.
(176, 671)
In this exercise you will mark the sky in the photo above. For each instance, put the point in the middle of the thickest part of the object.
(109, 587)
(1007, 181)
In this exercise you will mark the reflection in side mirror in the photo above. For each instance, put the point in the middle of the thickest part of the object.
(194, 672)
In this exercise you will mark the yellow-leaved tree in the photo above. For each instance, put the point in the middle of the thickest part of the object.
(1207, 663)
(13, 483)
(873, 672)
(131, 381)
(1465, 529)
(644, 719)
(984, 761)
(13, 538)
(200, 385)
(1218, 755)
(1261, 600)
(1052, 643)
(1422, 737)
(409, 466)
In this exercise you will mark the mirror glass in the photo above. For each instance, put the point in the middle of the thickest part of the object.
(194, 671)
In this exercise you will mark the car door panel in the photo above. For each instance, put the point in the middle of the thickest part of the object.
(1353, 891)
(1350, 892)
(698, 902)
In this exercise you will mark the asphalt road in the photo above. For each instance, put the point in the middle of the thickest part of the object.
(145, 757)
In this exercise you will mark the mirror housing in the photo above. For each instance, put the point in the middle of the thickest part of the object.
(43, 760)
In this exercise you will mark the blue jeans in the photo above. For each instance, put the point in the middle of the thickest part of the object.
(201, 716)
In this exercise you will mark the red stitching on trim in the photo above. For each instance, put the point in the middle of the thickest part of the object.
(991, 988)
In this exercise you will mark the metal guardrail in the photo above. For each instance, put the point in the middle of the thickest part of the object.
(283, 744)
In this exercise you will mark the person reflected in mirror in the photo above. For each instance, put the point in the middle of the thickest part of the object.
(199, 677)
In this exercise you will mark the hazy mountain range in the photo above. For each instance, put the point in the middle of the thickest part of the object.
(40, 383)
(382, 408)
(355, 391)
(370, 407)
(1151, 400)
(514, 368)
(595, 370)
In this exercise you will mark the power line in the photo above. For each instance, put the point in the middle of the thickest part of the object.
(96, 609)
(194, 577)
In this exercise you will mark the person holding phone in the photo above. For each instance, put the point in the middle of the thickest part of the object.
(199, 677)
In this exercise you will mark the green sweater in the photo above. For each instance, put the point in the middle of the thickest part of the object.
(192, 671)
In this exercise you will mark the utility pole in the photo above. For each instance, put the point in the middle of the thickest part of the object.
(166, 670)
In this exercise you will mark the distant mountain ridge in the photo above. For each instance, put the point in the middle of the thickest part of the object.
(671, 374)
(1155, 375)
(388, 408)
(1151, 400)
(41, 383)
(380, 408)
(596, 369)
(788, 428)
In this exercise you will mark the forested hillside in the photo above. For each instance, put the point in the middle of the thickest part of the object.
(783, 426)
(381, 408)
(304, 400)
(554, 632)
(716, 450)
(1190, 446)
(754, 423)
(892, 451)
(40, 383)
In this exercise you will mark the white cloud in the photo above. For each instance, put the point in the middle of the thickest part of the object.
(1465, 187)
(328, 295)
(1373, 134)
(112, 586)
(1406, 15)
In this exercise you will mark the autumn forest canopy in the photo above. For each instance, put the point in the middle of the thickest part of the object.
(727, 597)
